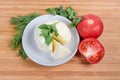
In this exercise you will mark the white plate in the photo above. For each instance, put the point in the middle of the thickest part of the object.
(39, 56)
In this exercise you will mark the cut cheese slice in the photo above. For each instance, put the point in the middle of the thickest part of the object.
(59, 39)
(60, 51)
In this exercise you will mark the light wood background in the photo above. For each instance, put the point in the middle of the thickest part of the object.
(13, 67)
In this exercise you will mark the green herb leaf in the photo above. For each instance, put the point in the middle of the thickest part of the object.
(75, 22)
(48, 39)
(16, 40)
(69, 13)
(62, 11)
(52, 11)
(22, 53)
(46, 32)
(20, 23)
(54, 30)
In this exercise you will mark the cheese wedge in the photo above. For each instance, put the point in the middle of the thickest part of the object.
(60, 51)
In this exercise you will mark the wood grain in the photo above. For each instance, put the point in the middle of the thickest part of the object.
(13, 67)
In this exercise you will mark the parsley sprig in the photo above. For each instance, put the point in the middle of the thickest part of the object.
(20, 23)
(69, 13)
(47, 31)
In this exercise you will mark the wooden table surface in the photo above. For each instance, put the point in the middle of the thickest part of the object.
(13, 67)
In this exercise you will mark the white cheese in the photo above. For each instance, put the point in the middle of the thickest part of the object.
(60, 51)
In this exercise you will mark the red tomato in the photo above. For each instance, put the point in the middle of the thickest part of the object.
(92, 50)
(90, 26)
